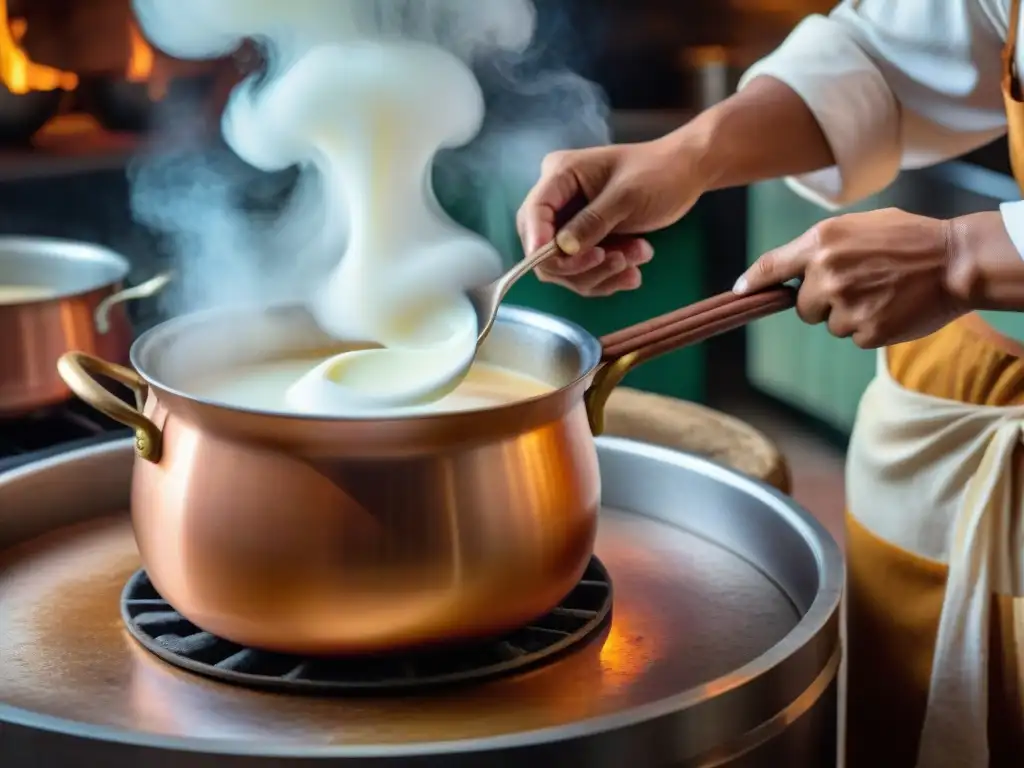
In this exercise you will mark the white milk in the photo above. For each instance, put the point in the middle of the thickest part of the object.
(368, 113)
(264, 387)
(23, 294)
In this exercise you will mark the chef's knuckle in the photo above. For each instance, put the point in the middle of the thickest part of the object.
(807, 310)
(867, 336)
(765, 266)
(834, 284)
(823, 257)
(841, 325)
(558, 162)
(823, 232)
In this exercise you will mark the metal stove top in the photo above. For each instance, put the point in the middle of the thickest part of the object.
(724, 644)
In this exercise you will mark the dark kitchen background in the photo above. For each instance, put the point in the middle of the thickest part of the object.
(81, 91)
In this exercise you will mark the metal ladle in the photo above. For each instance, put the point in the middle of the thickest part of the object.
(486, 299)
(323, 389)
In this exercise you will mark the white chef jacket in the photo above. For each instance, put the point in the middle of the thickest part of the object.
(899, 84)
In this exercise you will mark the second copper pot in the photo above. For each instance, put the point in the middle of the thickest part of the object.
(79, 304)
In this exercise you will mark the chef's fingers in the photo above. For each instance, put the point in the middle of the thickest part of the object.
(614, 264)
(841, 323)
(778, 266)
(614, 275)
(635, 250)
(628, 280)
(812, 304)
(537, 217)
(596, 221)
(623, 272)
(558, 267)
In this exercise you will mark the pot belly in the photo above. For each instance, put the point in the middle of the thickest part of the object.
(33, 337)
(314, 555)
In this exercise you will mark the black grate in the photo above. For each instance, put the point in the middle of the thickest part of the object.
(169, 635)
(61, 428)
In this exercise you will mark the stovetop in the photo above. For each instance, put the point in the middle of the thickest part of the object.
(47, 433)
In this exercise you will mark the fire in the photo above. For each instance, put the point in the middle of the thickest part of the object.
(17, 72)
(142, 65)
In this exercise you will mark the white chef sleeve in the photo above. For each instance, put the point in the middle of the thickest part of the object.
(893, 85)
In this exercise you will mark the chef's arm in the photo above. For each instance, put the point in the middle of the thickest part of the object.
(890, 85)
(737, 149)
(895, 85)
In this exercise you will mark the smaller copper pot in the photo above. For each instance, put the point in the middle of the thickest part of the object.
(85, 312)
(339, 536)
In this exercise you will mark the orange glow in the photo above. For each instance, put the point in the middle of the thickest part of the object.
(142, 64)
(140, 58)
(17, 72)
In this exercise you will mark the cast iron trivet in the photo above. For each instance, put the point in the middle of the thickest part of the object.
(166, 633)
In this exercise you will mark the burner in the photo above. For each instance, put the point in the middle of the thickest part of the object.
(48, 431)
(166, 633)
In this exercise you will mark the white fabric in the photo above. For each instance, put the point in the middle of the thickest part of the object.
(935, 477)
(895, 85)
(1013, 218)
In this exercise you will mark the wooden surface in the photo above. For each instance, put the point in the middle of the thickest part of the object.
(693, 428)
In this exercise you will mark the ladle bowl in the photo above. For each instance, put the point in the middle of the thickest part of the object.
(363, 379)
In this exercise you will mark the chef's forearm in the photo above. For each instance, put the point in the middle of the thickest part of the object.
(986, 268)
(763, 132)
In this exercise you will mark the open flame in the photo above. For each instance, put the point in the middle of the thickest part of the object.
(19, 73)
(142, 65)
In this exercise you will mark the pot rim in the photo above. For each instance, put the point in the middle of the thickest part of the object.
(588, 346)
(27, 247)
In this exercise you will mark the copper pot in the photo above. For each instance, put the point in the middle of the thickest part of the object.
(83, 309)
(338, 536)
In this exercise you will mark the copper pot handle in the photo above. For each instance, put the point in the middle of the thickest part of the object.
(145, 289)
(624, 350)
(79, 372)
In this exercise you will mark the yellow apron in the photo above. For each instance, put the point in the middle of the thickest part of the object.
(935, 490)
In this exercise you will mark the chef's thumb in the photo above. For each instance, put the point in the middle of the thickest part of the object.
(594, 223)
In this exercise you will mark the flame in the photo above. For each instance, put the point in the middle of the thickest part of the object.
(140, 59)
(17, 72)
(142, 64)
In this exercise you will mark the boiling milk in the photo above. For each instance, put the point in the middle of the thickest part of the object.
(264, 387)
(368, 112)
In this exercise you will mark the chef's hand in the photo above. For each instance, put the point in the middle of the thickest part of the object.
(631, 189)
(880, 277)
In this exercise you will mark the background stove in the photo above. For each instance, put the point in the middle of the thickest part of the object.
(43, 434)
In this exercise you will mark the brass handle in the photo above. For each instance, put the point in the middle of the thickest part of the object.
(143, 290)
(79, 372)
(628, 348)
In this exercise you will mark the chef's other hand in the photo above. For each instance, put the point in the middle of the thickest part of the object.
(630, 189)
(881, 277)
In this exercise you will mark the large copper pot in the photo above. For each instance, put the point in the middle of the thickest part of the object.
(339, 536)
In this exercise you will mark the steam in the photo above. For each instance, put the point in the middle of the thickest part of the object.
(268, 223)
